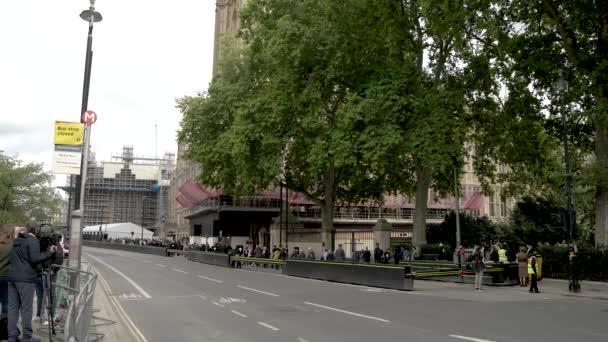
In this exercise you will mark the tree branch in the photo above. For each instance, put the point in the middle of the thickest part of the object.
(565, 31)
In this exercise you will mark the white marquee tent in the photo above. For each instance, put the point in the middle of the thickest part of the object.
(119, 230)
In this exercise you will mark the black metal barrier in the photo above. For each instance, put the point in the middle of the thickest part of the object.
(217, 259)
(393, 277)
(258, 264)
(494, 274)
(161, 251)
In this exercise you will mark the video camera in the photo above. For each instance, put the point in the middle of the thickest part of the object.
(46, 237)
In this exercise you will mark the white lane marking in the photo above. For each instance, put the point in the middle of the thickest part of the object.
(268, 326)
(211, 279)
(180, 271)
(202, 297)
(218, 304)
(466, 338)
(301, 340)
(121, 312)
(137, 287)
(258, 291)
(239, 314)
(159, 265)
(348, 312)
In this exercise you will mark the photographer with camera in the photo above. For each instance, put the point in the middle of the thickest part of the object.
(46, 275)
(22, 274)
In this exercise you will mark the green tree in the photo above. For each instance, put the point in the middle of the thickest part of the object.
(293, 93)
(473, 230)
(25, 192)
(535, 38)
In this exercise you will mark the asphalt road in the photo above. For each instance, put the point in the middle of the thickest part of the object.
(171, 299)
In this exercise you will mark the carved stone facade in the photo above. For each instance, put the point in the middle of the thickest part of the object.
(227, 23)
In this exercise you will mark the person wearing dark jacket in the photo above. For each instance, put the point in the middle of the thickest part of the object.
(6, 239)
(378, 254)
(25, 256)
(367, 255)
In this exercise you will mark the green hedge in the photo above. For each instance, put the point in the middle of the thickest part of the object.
(590, 263)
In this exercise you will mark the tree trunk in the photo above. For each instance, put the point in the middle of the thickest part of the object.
(601, 199)
(423, 181)
(327, 208)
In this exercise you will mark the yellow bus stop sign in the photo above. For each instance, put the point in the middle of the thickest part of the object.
(69, 133)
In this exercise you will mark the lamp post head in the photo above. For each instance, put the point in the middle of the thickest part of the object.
(91, 15)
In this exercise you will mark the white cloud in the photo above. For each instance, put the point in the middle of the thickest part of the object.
(146, 54)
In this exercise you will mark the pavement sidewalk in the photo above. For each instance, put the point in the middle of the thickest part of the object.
(109, 321)
(589, 289)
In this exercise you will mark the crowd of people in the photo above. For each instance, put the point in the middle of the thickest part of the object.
(24, 269)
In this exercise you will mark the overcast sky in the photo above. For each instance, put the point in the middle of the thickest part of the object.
(146, 54)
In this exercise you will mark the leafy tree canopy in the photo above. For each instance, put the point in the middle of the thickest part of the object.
(25, 192)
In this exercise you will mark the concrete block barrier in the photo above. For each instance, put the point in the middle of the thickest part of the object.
(217, 259)
(162, 251)
(387, 276)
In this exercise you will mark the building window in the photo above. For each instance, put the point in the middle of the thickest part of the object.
(492, 203)
(503, 208)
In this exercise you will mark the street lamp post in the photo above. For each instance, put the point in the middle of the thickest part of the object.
(91, 16)
(457, 202)
(569, 222)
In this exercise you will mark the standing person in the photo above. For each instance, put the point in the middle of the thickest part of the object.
(398, 255)
(522, 263)
(6, 239)
(325, 254)
(478, 267)
(532, 271)
(367, 255)
(340, 254)
(494, 255)
(386, 257)
(502, 254)
(25, 256)
(311, 254)
(378, 254)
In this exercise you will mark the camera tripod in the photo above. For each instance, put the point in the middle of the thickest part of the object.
(48, 298)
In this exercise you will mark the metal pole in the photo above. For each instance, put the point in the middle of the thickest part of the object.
(85, 100)
(457, 199)
(143, 208)
(281, 214)
(287, 213)
(76, 231)
(569, 222)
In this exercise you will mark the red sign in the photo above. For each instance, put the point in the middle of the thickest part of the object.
(89, 117)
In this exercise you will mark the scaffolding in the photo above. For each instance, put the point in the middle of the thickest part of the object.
(127, 189)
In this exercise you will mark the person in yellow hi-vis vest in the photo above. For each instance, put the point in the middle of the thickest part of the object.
(533, 272)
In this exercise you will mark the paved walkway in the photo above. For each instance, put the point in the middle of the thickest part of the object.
(109, 322)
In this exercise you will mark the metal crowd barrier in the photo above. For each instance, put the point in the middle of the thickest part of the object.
(73, 303)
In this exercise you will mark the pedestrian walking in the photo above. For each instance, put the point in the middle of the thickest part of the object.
(522, 265)
(532, 271)
(478, 267)
(340, 254)
(25, 256)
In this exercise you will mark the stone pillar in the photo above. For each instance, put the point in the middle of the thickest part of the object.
(382, 234)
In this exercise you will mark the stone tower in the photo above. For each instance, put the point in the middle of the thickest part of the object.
(227, 23)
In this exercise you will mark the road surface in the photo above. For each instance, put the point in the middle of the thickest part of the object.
(171, 299)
